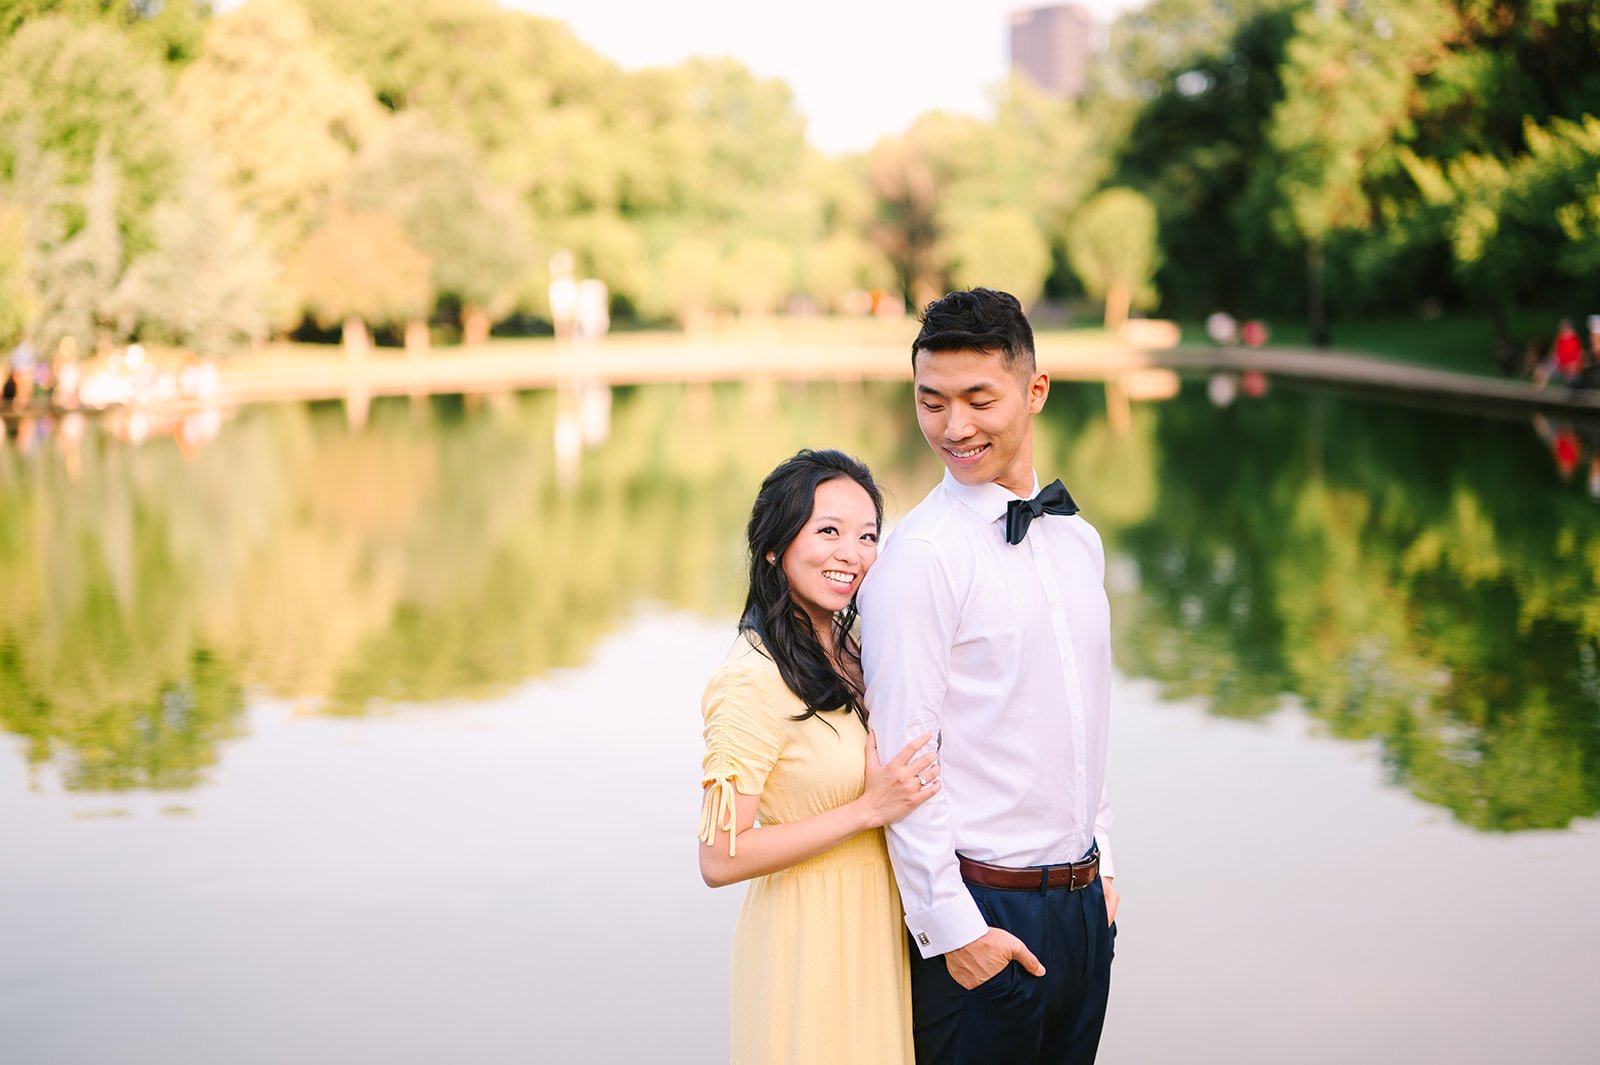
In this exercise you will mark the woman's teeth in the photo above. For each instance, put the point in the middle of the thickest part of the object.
(843, 580)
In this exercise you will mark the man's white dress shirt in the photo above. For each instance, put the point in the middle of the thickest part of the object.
(1003, 653)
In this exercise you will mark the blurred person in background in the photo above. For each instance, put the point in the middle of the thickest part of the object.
(986, 624)
(795, 796)
(17, 393)
(1589, 376)
(1566, 356)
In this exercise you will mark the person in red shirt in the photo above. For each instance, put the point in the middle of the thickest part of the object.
(1566, 356)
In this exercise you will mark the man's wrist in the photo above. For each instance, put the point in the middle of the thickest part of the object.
(954, 924)
(968, 945)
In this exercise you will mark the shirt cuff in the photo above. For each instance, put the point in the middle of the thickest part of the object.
(947, 927)
(1107, 867)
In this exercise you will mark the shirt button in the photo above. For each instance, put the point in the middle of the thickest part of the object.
(1080, 771)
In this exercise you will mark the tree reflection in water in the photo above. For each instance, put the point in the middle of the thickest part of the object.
(1419, 578)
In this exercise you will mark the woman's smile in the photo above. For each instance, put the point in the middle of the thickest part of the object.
(829, 556)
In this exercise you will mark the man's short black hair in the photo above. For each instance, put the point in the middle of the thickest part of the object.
(979, 320)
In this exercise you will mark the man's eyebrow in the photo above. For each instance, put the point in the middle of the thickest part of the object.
(983, 386)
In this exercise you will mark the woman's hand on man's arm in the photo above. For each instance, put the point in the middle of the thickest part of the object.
(892, 790)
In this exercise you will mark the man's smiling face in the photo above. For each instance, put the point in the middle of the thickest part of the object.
(977, 415)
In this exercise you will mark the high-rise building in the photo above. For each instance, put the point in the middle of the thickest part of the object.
(1050, 46)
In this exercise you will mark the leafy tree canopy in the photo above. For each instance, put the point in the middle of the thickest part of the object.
(71, 87)
(435, 185)
(282, 120)
(361, 265)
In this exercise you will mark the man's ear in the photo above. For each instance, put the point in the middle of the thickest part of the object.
(1038, 392)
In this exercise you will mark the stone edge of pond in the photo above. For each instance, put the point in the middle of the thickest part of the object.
(518, 367)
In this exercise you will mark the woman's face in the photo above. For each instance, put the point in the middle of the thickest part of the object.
(833, 550)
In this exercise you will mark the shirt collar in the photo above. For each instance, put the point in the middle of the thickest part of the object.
(988, 500)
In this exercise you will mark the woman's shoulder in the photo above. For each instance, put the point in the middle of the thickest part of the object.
(747, 672)
(748, 657)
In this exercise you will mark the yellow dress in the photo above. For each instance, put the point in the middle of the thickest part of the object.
(821, 969)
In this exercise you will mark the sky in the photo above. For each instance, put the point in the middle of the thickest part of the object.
(859, 70)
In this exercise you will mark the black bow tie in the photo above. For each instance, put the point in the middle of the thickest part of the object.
(1053, 498)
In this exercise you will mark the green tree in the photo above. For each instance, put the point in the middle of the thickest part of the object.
(1268, 128)
(1350, 72)
(1112, 247)
(607, 164)
(717, 154)
(843, 263)
(1029, 168)
(16, 295)
(208, 283)
(1195, 144)
(1501, 65)
(908, 175)
(31, 203)
(80, 279)
(840, 258)
(436, 187)
(360, 269)
(756, 277)
(751, 151)
(169, 31)
(1150, 44)
(81, 87)
(999, 248)
(691, 273)
(1037, 156)
(282, 120)
(1525, 226)
(519, 89)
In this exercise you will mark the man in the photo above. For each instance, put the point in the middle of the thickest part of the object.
(985, 623)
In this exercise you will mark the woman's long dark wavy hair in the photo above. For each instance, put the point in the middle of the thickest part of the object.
(782, 508)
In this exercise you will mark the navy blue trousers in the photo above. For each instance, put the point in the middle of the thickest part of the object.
(1016, 1018)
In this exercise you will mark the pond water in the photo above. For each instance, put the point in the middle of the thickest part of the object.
(344, 733)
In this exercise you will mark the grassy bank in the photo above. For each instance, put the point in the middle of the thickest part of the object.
(1462, 343)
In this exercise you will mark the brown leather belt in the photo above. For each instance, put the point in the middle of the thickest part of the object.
(1074, 876)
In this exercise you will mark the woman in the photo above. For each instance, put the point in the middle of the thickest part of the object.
(820, 966)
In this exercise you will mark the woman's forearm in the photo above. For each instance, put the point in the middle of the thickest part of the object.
(769, 848)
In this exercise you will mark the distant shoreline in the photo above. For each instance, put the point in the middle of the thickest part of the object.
(306, 372)
(656, 359)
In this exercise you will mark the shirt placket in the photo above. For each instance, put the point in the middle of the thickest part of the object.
(1069, 670)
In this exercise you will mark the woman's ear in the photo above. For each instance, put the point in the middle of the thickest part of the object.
(772, 558)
